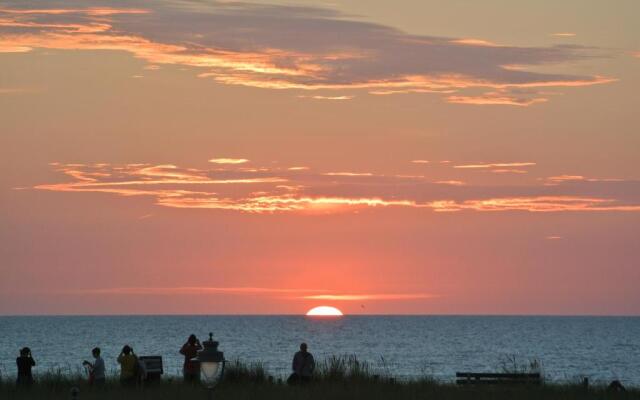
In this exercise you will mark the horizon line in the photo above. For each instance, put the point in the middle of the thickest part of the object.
(344, 315)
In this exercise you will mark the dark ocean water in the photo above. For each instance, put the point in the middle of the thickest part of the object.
(568, 348)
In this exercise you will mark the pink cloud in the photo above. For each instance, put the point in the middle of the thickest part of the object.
(308, 49)
(509, 171)
(451, 182)
(348, 174)
(558, 179)
(188, 290)
(475, 42)
(92, 11)
(261, 191)
(494, 165)
(343, 97)
(493, 98)
(535, 204)
(228, 160)
(370, 297)
(12, 48)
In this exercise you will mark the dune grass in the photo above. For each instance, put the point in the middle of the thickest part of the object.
(337, 378)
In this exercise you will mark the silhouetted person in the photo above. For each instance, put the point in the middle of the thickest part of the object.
(191, 368)
(616, 386)
(96, 369)
(25, 362)
(128, 366)
(303, 365)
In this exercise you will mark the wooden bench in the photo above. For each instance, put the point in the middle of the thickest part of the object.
(474, 378)
(152, 367)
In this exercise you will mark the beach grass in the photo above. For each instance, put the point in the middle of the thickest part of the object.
(382, 389)
(336, 378)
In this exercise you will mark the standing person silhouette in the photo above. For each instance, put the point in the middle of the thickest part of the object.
(25, 362)
(96, 369)
(128, 366)
(302, 365)
(189, 350)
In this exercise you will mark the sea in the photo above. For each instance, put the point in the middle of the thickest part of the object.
(566, 349)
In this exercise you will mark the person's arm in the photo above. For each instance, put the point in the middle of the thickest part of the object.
(183, 349)
(32, 361)
(120, 358)
(298, 363)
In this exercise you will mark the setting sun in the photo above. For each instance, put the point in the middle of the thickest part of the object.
(324, 311)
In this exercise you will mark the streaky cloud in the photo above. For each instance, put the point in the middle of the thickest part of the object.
(296, 48)
(563, 34)
(451, 183)
(559, 179)
(348, 173)
(493, 98)
(189, 290)
(318, 97)
(495, 165)
(281, 190)
(228, 160)
(542, 204)
(370, 297)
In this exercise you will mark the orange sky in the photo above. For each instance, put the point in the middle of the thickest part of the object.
(420, 157)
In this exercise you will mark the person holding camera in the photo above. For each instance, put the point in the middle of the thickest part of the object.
(191, 368)
(128, 366)
(25, 362)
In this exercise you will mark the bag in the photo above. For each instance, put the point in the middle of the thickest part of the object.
(293, 379)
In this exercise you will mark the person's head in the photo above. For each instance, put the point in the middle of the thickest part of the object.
(192, 339)
(303, 347)
(127, 349)
(96, 352)
(25, 351)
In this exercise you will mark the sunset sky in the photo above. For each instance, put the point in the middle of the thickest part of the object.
(405, 157)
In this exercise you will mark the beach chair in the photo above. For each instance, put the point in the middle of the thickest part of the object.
(152, 368)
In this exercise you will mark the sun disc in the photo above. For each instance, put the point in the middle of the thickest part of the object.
(324, 311)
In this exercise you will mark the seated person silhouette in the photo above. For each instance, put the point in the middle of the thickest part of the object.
(303, 366)
(616, 386)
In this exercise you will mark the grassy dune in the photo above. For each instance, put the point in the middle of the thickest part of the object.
(317, 390)
(337, 378)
